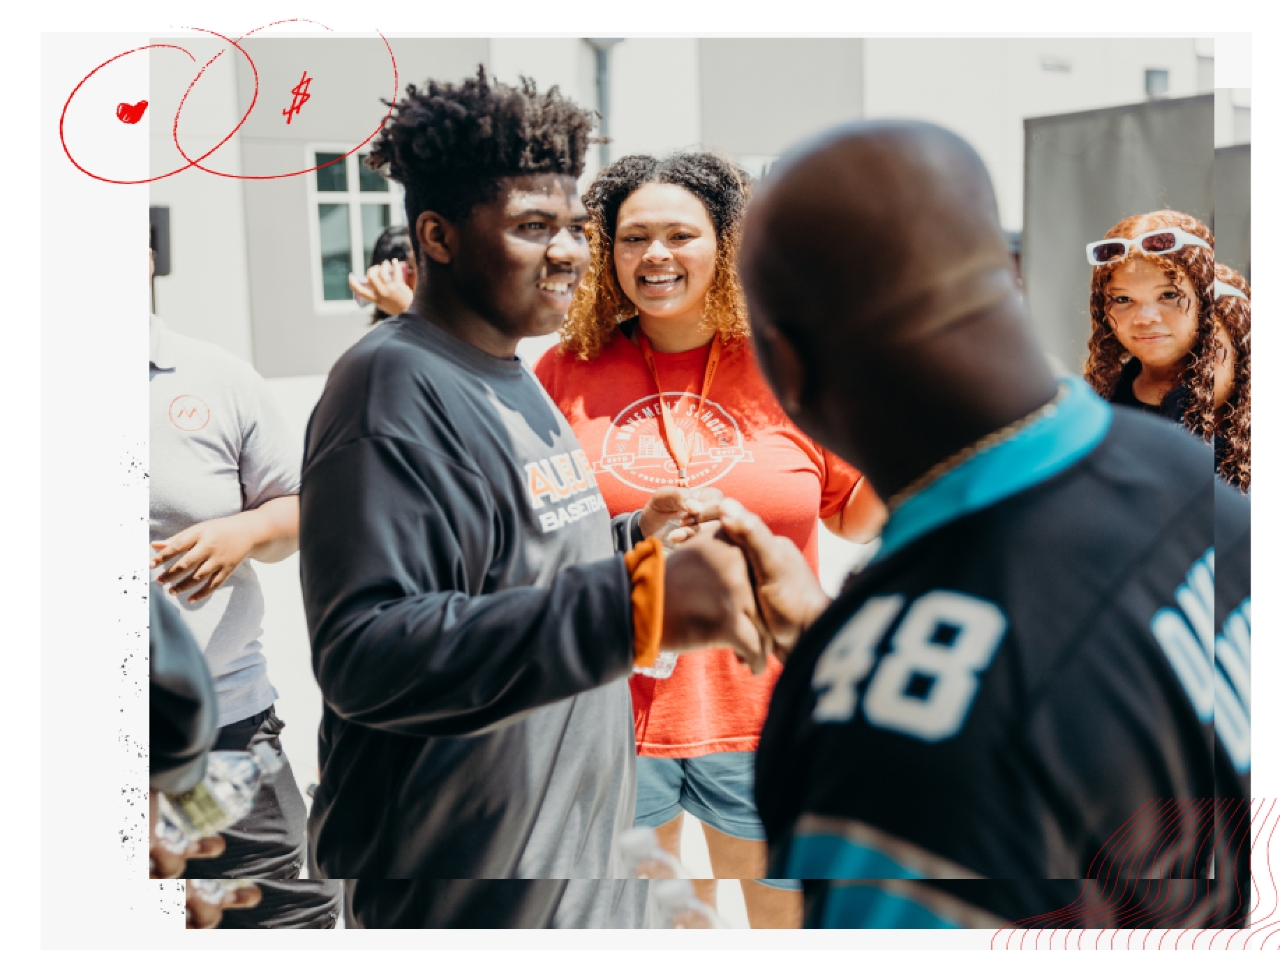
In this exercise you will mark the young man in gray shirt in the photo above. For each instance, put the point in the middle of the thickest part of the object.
(472, 626)
(224, 482)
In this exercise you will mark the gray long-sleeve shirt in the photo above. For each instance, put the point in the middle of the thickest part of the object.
(471, 634)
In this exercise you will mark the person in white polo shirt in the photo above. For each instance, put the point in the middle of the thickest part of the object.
(224, 482)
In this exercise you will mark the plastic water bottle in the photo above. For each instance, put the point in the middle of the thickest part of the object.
(217, 891)
(662, 669)
(676, 908)
(224, 797)
(644, 859)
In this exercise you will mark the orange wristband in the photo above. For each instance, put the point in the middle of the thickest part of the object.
(646, 563)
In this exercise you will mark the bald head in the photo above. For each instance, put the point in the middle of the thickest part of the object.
(882, 231)
(880, 284)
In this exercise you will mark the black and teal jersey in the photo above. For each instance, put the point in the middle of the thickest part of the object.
(1034, 701)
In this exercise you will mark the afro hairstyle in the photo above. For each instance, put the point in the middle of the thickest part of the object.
(449, 145)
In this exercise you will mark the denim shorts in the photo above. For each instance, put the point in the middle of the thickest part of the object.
(716, 789)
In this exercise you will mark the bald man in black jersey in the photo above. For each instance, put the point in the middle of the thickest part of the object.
(1031, 708)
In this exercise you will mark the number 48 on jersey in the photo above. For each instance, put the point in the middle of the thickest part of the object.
(924, 685)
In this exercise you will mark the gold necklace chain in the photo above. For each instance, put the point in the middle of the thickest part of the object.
(984, 443)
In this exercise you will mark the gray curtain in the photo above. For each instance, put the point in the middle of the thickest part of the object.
(1087, 170)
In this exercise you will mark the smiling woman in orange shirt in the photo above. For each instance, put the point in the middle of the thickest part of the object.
(657, 378)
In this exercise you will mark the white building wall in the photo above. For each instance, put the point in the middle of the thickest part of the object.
(206, 295)
(654, 91)
(762, 95)
(567, 62)
(1232, 110)
(983, 88)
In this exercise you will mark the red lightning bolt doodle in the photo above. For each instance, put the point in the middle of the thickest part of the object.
(300, 98)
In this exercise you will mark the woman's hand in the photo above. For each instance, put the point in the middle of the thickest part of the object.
(388, 286)
(688, 507)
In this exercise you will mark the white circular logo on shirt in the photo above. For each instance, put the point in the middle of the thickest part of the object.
(188, 412)
(637, 455)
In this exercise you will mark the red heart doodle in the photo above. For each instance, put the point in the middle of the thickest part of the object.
(129, 114)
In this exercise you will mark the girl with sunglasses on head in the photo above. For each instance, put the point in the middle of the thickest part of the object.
(661, 310)
(1155, 343)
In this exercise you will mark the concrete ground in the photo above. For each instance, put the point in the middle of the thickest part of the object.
(288, 653)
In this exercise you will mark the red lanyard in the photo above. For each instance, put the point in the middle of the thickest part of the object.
(677, 444)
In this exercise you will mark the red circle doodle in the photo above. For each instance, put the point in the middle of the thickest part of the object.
(395, 70)
(63, 118)
(188, 412)
(395, 74)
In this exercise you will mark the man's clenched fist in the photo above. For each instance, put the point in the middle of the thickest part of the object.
(789, 596)
(708, 600)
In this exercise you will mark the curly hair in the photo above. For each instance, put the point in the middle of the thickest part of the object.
(1233, 314)
(600, 305)
(1107, 356)
(449, 145)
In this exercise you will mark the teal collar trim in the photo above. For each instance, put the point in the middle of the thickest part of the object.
(863, 904)
(825, 856)
(1042, 450)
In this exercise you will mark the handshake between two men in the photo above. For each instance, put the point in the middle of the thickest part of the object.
(728, 579)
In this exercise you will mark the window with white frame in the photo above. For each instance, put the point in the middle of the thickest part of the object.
(1157, 82)
(350, 206)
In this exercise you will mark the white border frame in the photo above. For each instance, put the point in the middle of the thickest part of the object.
(77, 668)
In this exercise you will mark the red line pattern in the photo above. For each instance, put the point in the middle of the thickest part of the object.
(1148, 889)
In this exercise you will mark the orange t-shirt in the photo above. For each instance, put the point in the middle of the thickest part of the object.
(742, 443)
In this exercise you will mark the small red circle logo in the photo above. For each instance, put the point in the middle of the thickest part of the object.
(188, 413)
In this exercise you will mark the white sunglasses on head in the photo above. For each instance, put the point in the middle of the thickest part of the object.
(1159, 242)
(1222, 288)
